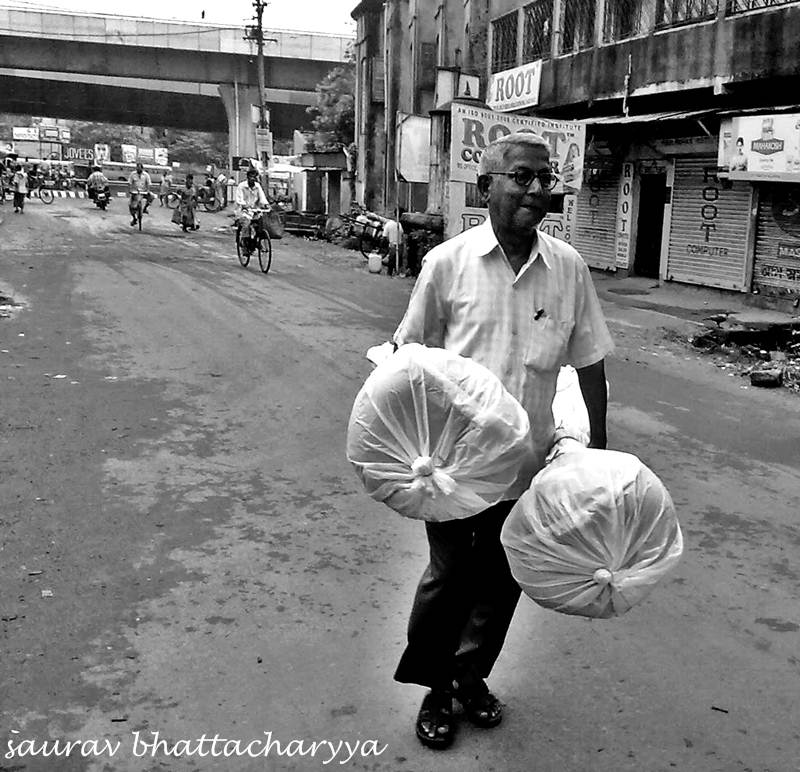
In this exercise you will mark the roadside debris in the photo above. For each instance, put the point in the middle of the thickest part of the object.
(769, 354)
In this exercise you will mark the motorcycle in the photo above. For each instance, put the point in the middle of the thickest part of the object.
(101, 199)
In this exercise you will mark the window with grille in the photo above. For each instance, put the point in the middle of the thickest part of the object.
(672, 13)
(577, 25)
(740, 6)
(538, 18)
(628, 18)
(504, 42)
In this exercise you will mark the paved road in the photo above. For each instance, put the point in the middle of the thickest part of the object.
(215, 569)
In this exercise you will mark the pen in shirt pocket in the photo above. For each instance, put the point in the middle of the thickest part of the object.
(539, 314)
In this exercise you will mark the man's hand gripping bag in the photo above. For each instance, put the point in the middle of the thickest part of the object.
(593, 534)
(436, 436)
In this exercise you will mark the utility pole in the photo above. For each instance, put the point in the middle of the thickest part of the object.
(257, 33)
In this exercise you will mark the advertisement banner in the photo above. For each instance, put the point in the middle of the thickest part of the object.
(473, 128)
(49, 133)
(29, 133)
(128, 154)
(760, 147)
(102, 153)
(7, 147)
(65, 135)
(146, 155)
(79, 154)
(161, 155)
(413, 147)
(516, 88)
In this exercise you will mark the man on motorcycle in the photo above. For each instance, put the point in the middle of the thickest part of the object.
(97, 181)
(139, 185)
(249, 195)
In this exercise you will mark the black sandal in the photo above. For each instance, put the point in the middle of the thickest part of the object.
(435, 726)
(481, 707)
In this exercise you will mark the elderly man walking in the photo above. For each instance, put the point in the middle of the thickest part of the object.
(522, 304)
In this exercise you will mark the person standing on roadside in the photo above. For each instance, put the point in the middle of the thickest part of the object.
(165, 188)
(19, 185)
(522, 304)
(221, 185)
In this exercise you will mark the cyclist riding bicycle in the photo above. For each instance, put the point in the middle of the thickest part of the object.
(139, 185)
(97, 181)
(249, 196)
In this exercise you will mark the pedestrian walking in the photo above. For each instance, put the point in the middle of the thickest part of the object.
(521, 303)
(19, 185)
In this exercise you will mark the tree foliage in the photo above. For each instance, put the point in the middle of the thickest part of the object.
(334, 113)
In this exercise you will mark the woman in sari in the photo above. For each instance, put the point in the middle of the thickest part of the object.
(188, 205)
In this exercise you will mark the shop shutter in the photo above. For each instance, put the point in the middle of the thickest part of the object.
(776, 268)
(595, 232)
(708, 227)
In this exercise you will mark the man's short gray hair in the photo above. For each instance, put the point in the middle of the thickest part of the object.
(494, 156)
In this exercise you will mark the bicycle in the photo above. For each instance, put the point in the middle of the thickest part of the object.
(137, 208)
(257, 239)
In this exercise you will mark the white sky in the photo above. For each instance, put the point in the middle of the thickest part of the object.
(311, 15)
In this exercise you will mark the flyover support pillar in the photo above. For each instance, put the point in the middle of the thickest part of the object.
(239, 101)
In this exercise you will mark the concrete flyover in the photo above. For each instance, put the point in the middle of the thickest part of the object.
(160, 73)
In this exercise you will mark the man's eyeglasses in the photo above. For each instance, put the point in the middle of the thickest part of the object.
(524, 177)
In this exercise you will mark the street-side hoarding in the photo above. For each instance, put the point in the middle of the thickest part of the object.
(760, 147)
(413, 146)
(473, 128)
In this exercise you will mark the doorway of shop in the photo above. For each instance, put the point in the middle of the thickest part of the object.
(650, 225)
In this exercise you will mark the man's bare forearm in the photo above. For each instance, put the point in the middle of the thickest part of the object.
(592, 381)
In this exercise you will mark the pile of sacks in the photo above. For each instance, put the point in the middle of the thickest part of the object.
(436, 436)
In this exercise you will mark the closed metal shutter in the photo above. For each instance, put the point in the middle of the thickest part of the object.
(709, 227)
(595, 231)
(776, 267)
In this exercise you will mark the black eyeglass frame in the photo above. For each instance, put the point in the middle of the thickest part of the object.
(515, 175)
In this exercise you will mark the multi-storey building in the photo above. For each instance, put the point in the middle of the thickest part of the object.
(691, 165)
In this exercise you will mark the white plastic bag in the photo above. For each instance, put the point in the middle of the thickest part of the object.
(436, 436)
(593, 534)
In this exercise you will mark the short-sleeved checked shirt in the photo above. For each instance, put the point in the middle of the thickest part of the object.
(522, 327)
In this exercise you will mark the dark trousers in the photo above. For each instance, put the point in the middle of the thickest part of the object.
(464, 602)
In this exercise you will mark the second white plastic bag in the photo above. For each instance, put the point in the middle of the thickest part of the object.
(593, 535)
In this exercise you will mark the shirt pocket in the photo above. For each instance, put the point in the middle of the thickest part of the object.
(548, 344)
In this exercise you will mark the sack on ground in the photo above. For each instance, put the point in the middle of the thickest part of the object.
(436, 436)
(176, 216)
(593, 534)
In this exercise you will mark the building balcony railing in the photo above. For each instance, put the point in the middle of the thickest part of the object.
(742, 6)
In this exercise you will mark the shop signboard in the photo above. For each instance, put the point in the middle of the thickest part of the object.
(64, 135)
(161, 156)
(7, 147)
(516, 88)
(473, 128)
(128, 154)
(25, 133)
(49, 134)
(760, 147)
(146, 155)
